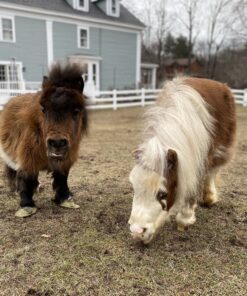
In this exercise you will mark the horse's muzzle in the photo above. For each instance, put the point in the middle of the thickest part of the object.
(57, 148)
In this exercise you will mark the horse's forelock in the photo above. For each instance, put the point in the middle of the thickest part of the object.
(69, 77)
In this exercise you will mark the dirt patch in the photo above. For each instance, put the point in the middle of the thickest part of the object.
(90, 252)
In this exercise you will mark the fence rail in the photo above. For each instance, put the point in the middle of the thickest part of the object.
(116, 98)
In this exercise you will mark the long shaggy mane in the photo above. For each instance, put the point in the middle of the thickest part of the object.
(180, 121)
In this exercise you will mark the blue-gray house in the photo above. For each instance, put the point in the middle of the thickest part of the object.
(101, 35)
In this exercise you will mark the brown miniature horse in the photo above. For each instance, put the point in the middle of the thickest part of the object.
(43, 131)
(189, 135)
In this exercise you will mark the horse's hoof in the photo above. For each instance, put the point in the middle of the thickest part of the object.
(182, 228)
(69, 204)
(25, 212)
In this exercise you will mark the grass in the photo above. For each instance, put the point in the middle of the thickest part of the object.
(90, 252)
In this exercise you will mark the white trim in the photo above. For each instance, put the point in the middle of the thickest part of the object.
(10, 17)
(49, 42)
(81, 56)
(138, 59)
(154, 77)
(76, 4)
(149, 65)
(109, 8)
(79, 28)
(67, 18)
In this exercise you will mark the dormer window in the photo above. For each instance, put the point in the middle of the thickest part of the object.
(113, 8)
(82, 5)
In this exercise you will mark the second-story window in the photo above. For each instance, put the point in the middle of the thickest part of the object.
(83, 38)
(7, 29)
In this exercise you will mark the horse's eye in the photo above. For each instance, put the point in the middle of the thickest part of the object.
(161, 195)
(76, 111)
(43, 109)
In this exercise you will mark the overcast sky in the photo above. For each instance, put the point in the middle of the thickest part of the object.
(177, 16)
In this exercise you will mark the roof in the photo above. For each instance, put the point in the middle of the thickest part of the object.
(95, 12)
(180, 62)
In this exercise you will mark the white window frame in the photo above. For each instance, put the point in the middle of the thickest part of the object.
(8, 82)
(82, 8)
(109, 8)
(13, 28)
(79, 28)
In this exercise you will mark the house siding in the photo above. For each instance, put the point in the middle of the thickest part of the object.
(65, 41)
(102, 5)
(117, 50)
(30, 47)
(70, 2)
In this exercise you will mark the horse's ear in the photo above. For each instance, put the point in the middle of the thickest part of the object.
(172, 178)
(45, 82)
(172, 159)
(81, 84)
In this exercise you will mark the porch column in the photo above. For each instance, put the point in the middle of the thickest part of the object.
(49, 42)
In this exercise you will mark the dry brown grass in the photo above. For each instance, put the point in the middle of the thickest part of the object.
(89, 251)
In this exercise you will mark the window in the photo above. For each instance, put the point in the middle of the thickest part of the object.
(7, 32)
(113, 8)
(82, 5)
(10, 75)
(83, 38)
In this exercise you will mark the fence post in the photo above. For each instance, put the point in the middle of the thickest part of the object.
(245, 98)
(143, 97)
(114, 93)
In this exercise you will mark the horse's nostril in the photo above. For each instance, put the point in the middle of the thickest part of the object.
(61, 143)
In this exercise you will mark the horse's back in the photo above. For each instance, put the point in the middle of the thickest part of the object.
(221, 105)
(14, 120)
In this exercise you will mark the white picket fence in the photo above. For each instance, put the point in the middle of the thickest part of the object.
(117, 98)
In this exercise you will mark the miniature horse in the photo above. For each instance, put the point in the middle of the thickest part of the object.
(189, 135)
(43, 131)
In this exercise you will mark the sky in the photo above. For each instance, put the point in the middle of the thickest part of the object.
(177, 17)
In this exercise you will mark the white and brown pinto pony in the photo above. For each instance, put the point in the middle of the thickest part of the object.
(42, 131)
(189, 135)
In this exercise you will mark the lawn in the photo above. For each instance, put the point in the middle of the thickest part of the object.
(89, 251)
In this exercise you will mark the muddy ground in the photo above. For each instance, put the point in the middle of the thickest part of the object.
(89, 251)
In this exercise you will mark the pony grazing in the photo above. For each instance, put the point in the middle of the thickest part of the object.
(43, 131)
(189, 135)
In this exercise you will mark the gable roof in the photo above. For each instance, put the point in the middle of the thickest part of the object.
(95, 12)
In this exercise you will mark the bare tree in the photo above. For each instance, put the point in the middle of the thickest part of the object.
(218, 24)
(190, 21)
(240, 27)
(154, 13)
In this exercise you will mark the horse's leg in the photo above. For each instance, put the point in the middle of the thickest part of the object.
(11, 178)
(186, 216)
(63, 196)
(26, 186)
(210, 195)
